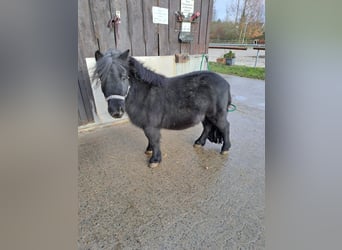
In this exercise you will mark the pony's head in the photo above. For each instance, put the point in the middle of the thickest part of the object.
(111, 70)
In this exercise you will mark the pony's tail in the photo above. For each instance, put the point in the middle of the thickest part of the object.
(229, 98)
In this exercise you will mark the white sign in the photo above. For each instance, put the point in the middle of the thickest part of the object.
(160, 15)
(186, 26)
(187, 7)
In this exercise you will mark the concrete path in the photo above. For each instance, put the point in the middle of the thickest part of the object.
(196, 199)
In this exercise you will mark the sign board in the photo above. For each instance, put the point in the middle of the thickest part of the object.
(187, 7)
(160, 15)
(186, 26)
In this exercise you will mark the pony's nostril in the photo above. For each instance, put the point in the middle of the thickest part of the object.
(117, 114)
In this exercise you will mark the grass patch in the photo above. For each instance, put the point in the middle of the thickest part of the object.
(243, 71)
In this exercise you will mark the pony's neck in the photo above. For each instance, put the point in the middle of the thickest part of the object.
(139, 72)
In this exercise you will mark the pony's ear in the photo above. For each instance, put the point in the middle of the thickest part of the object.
(98, 55)
(124, 55)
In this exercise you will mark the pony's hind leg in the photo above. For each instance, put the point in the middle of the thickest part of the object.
(224, 127)
(207, 125)
(226, 141)
(153, 136)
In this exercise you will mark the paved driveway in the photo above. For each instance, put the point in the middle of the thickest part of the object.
(196, 199)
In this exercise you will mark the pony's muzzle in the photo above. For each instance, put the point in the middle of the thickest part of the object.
(116, 110)
(117, 113)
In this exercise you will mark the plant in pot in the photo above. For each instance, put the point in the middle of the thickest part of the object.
(230, 58)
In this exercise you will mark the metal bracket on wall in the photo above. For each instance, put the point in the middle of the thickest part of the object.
(185, 34)
(185, 37)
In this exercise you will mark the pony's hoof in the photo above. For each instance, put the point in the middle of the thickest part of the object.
(197, 145)
(153, 164)
(225, 152)
(148, 152)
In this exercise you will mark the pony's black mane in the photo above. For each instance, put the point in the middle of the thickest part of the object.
(104, 65)
(132, 67)
(140, 72)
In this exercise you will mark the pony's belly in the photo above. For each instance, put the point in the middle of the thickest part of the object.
(179, 122)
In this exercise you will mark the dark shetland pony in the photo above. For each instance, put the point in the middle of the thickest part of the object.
(153, 101)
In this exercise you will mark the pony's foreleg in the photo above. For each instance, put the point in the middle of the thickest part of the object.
(153, 136)
(207, 125)
(149, 150)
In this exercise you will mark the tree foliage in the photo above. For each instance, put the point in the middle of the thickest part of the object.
(244, 21)
(223, 31)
